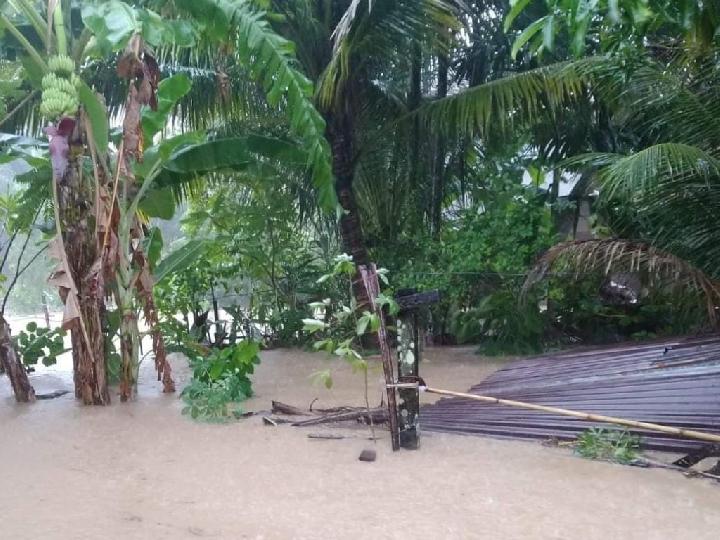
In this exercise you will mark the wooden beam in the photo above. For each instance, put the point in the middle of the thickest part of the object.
(370, 280)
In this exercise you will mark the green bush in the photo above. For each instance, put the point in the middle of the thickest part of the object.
(615, 445)
(509, 325)
(36, 344)
(220, 381)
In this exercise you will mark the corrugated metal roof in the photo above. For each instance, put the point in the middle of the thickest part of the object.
(676, 383)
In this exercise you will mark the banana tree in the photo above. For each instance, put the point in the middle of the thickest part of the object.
(101, 196)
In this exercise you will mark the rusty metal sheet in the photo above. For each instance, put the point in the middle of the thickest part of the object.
(673, 382)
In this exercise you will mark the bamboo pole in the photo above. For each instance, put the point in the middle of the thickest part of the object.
(687, 433)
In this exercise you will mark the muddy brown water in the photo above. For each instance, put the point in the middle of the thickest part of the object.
(143, 471)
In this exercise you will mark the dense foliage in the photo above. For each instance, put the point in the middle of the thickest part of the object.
(551, 167)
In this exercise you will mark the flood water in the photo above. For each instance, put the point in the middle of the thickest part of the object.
(143, 471)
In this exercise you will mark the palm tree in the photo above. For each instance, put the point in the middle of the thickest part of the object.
(356, 52)
(660, 185)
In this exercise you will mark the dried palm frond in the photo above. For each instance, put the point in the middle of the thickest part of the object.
(661, 269)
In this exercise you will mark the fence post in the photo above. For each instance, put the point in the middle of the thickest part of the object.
(408, 357)
(46, 310)
(370, 280)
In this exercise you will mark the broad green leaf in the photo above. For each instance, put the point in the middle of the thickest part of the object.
(214, 15)
(235, 153)
(33, 72)
(362, 325)
(548, 41)
(153, 247)
(169, 92)
(113, 320)
(97, 115)
(374, 322)
(383, 300)
(158, 203)
(323, 278)
(246, 351)
(348, 353)
(527, 34)
(327, 345)
(112, 22)
(216, 370)
(160, 32)
(313, 325)
(180, 259)
(323, 377)
(160, 153)
(517, 7)
(184, 34)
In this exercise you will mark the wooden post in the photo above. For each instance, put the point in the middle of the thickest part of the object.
(408, 357)
(370, 280)
(46, 310)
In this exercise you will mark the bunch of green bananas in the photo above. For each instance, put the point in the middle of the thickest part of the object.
(60, 95)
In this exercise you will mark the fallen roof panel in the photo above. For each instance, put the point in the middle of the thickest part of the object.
(674, 382)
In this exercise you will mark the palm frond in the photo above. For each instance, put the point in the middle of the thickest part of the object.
(662, 268)
(661, 165)
(272, 62)
(370, 30)
(515, 99)
(670, 103)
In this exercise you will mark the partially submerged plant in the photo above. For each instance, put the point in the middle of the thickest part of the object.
(221, 380)
(617, 445)
(36, 344)
(346, 324)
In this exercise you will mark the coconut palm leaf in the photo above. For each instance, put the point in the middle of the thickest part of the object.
(661, 268)
(371, 30)
(660, 166)
(272, 61)
(514, 100)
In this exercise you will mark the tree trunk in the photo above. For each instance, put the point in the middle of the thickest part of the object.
(129, 352)
(341, 138)
(75, 201)
(90, 374)
(438, 191)
(13, 367)
(414, 99)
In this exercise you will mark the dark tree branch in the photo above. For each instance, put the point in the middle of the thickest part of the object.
(19, 106)
(8, 246)
(18, 268)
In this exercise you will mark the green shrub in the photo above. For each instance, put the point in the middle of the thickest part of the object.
(220, 381)
(509, 326)
(36, 344)
(617, 445)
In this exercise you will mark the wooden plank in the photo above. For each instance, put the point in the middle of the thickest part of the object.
(409, 302)
(370, 280)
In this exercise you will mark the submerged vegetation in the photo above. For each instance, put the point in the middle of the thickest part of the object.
(195, 167)
(615, 445)
(220, 380)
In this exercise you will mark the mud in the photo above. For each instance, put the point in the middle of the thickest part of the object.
(143, 471)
